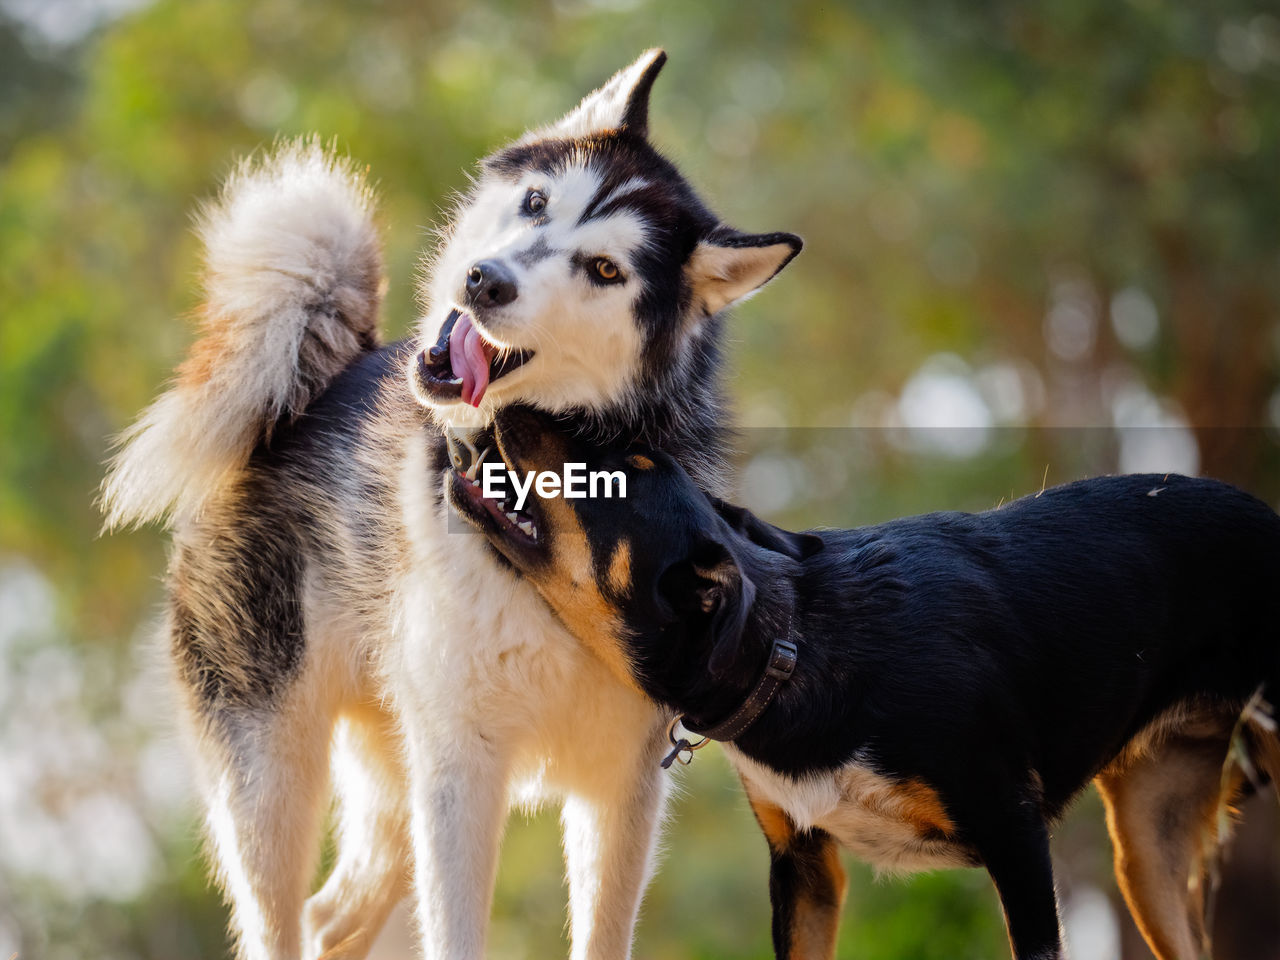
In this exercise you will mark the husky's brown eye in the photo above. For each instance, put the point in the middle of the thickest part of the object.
(606, 269)
(535, 201)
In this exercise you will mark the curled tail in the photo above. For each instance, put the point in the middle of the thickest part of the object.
(292, 279)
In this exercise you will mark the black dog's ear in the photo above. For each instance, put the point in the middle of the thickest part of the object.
(709, 587)
(797, 546)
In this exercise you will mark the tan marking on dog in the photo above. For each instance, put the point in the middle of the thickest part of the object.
(1183, 719)
(207, 352)
(816, 919)
(815, 913)
(640, 461)
(897, 804)
(568, 582)
(619, 575)
(1164, 799)
(570, 586)
(893, 826)
(920, 806)
(777, 826)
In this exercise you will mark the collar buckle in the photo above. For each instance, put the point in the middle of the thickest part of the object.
(777, 671)
(782, 660)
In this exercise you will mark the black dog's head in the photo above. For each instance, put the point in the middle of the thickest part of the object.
(677, 591)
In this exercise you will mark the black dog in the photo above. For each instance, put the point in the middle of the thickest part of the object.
(934, 691)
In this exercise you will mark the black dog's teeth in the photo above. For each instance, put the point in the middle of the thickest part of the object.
(522, 523)
(518, 518)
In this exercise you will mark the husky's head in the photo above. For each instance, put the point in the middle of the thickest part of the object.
(582, 272)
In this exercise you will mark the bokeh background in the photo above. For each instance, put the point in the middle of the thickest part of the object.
(1043, 241)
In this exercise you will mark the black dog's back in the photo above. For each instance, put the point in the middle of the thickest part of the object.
(1130, 593)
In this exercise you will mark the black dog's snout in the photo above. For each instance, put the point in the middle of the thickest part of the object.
(490, 284)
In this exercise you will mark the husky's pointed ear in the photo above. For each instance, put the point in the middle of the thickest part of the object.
(708, 590)
(728, 266)
(797, 546)
(621, 104)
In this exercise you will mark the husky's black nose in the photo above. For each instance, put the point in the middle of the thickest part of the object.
(490, 284)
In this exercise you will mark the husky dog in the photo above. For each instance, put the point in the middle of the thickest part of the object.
(934, 691)
(327, 622)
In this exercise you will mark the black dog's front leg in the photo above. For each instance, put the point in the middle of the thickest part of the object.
(806, 886)
(1016, 854)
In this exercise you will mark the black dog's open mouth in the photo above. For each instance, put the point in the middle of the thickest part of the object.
(493, 515)
(441, 376)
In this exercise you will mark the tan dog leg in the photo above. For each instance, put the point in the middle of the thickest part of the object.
(1161, 811)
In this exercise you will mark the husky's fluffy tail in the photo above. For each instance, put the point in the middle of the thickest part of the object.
(293, 278)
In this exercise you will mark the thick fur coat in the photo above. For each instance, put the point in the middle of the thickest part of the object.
(331, 624)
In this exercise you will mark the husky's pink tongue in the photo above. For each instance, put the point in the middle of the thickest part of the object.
(470, 355)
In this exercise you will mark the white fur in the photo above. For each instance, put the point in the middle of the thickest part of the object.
(373, 866)
(622, 189)
(586, 339)
(290, 250)
(265, 790)
(500, 704)
(603, 108)
(857, 806)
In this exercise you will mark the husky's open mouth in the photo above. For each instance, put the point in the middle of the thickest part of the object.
(463, 362)
(466, 490)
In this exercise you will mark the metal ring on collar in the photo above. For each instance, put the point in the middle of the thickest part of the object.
(681, 746)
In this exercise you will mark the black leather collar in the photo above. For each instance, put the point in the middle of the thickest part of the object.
(782, 663)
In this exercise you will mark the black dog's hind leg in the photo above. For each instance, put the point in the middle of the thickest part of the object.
(806, 885)
(1162, 809)
(1015, 850)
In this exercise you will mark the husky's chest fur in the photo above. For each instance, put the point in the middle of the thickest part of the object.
(431, 618)
(528, 681)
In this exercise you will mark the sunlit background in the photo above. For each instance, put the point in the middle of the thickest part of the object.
(1042, 241)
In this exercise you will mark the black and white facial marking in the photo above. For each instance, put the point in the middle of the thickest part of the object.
(536, 252)
(588, 267)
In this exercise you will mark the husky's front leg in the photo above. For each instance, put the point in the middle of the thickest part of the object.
(610, 831)
(458, 785)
